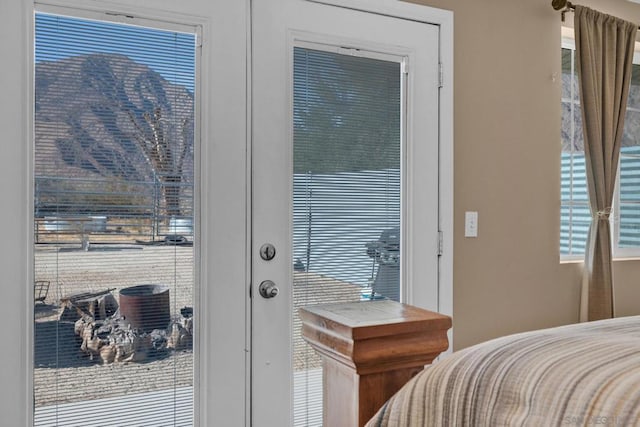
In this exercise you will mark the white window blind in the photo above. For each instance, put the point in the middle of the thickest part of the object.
(627, 214)
(575, 212)
(113, 230)
(346, 193)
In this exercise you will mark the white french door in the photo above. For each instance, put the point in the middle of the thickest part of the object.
(341, 178)
(345, 193)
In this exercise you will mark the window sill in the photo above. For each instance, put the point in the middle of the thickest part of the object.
(571, 260)
(618, 259)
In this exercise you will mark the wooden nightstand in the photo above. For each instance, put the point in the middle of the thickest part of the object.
(369, 350)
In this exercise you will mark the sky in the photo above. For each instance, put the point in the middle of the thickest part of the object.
(170, 53)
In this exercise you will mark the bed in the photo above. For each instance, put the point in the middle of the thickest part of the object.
(583, 374)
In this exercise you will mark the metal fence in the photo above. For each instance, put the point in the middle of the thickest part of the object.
(336, 215)
(68, 209)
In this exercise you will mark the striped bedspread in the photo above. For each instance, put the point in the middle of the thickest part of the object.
(578, 375)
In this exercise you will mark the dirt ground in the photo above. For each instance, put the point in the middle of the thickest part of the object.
(61, 372)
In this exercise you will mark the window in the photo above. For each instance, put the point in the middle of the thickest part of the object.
(113, 230)
(575, 212)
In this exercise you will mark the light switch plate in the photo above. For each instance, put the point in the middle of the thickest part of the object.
(470, 224)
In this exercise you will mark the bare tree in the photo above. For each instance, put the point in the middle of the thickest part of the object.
(165, 146)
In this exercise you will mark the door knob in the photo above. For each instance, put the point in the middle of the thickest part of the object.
(268, 289)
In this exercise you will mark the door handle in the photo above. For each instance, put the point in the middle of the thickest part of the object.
(268, 289)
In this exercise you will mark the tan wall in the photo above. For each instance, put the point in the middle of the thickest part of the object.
(507, 167)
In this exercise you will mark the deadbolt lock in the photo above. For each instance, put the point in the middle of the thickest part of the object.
(267, 252)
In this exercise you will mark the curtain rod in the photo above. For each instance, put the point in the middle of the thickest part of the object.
(564, 5)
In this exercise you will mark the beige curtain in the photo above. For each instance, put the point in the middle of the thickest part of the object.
(604, 54)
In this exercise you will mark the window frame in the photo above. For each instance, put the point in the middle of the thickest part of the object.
(568, 42)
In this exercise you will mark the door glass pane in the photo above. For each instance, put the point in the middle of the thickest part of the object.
(113, 253)
(346, 194)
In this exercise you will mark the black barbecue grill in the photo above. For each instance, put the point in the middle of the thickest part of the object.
(385, 253)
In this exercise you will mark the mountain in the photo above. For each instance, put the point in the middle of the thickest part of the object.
(106, 116)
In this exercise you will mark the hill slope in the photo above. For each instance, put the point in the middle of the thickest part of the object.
(100, 115)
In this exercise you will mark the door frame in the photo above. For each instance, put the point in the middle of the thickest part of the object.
(209, 404)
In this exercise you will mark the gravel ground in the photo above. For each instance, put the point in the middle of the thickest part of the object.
(62, 374)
